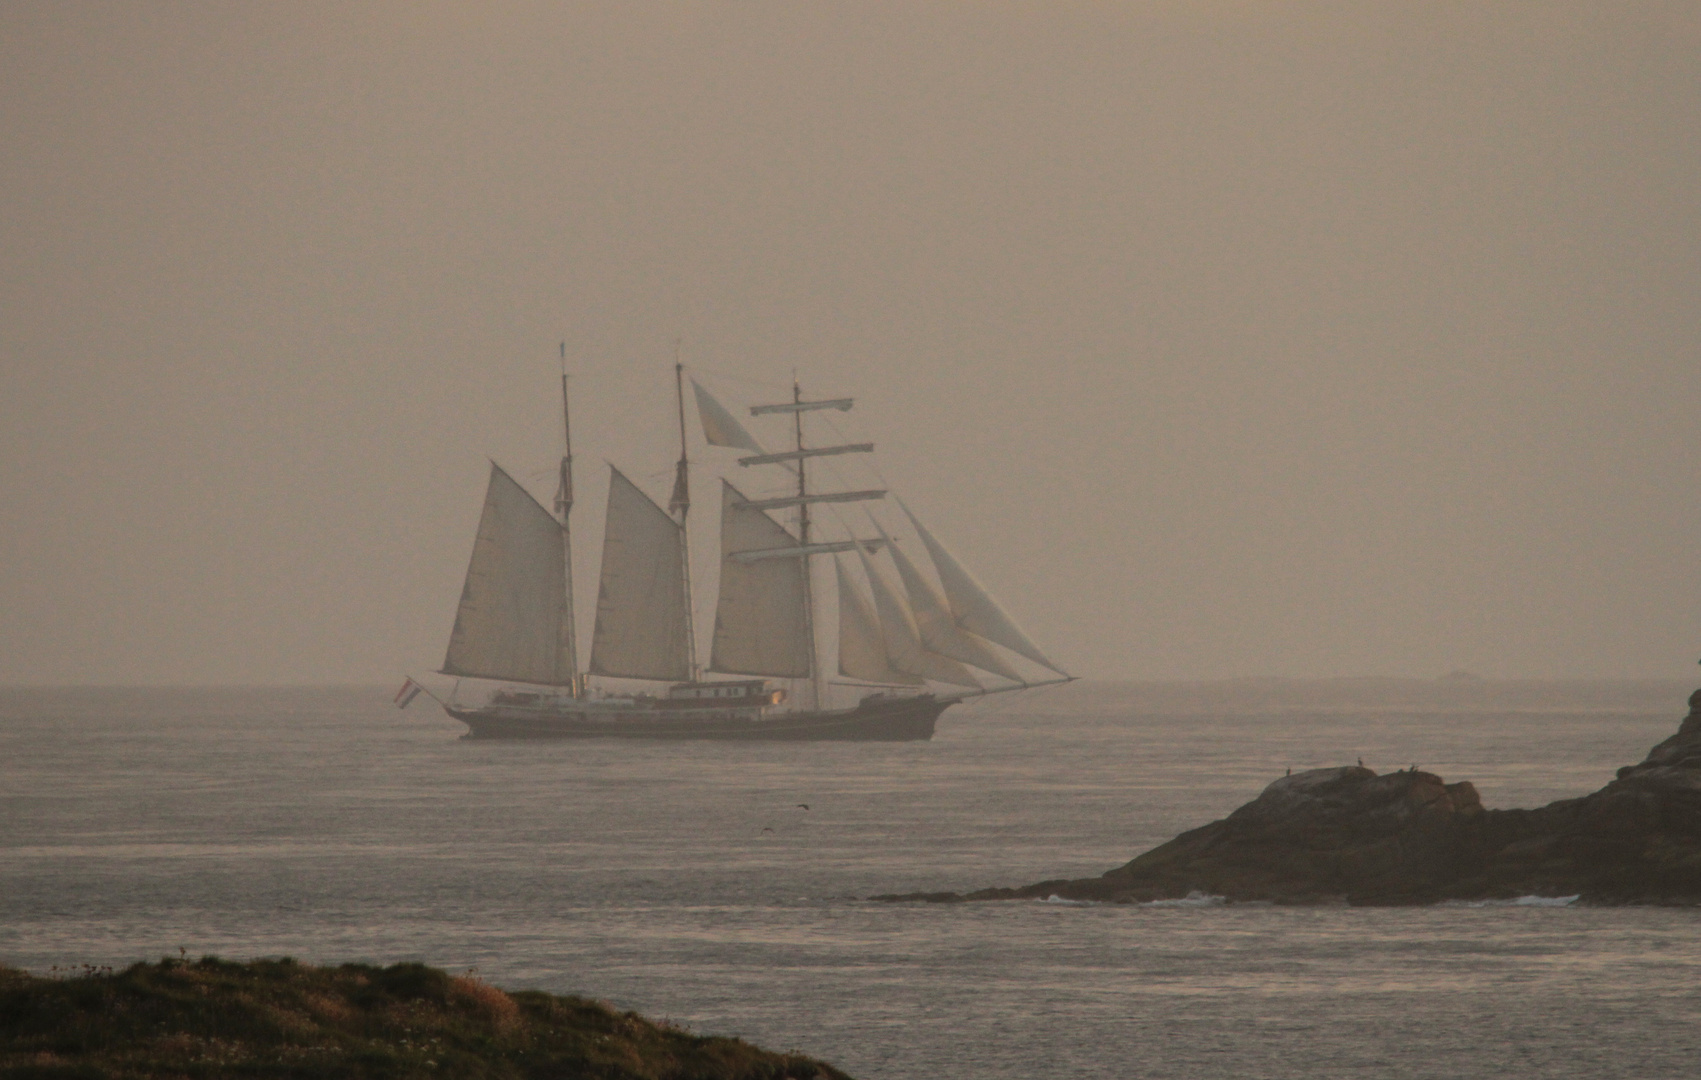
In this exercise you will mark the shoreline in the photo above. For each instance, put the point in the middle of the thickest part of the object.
(1349, 835)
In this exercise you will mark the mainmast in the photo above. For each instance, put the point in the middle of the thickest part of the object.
(803, 542)
(563, 508)
(680, 506)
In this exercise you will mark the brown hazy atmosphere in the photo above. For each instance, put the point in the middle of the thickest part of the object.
(1220, 338)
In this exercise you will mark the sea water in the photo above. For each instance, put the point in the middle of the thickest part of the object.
(721, 885)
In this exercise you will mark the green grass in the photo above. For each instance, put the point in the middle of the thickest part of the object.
(278, 1019)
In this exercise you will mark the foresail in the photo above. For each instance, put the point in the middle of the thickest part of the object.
(641, 603)
(762, 616)
(720, 427)
(512, 620)
(903, 641)
(973, 606)
(862, 648)
(939, 631)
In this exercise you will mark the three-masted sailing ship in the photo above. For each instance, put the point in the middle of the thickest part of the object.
(905, 652)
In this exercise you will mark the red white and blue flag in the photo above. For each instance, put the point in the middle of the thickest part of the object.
(409, 691)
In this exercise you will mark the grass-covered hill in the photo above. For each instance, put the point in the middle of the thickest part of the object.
(279, 1018)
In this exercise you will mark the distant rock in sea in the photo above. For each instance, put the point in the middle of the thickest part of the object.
(1349, 835)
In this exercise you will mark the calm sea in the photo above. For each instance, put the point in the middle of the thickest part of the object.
(689, 880)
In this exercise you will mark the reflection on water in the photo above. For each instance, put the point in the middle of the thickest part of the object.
(685, 879)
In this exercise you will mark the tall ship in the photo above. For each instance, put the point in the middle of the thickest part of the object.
(899, 653)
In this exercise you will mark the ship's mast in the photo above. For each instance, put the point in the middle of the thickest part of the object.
(803, 540)
(563, 508)
(680, 506)
(804, 548)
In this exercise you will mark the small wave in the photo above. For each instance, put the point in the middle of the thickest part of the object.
(1517, 901)
(1192, 899)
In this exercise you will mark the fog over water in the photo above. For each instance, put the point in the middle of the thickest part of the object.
(1219, 338)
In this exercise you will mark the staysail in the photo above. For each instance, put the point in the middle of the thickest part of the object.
(939, 631)
(512, 623)
(903, 641)
(762, 617)
(641, 630)
(862, 648)
(973, 606)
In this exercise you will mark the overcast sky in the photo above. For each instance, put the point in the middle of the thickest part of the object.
(1220, 339)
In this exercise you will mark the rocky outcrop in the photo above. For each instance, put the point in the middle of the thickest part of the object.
(276, 1018)
(1350, 835)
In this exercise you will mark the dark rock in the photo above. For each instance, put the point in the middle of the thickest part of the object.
(277, 1018)
(1347, 834)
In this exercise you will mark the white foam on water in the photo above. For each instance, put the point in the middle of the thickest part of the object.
(1192, 899)
(1517, 901)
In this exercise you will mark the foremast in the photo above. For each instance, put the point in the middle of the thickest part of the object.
(806, 550)
(911, 634)
(564, 510)
(803, 541)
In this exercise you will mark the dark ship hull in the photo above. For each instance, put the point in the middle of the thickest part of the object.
(905, 719)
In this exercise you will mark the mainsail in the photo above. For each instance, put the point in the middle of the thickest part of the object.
(642, 607)
(904, 648)
(973, 606)
(512, 622)
(762, 617)
(862, 648)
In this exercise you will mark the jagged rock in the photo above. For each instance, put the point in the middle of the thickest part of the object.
(1348, 835)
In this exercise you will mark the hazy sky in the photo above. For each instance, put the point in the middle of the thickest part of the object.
(1219, 338)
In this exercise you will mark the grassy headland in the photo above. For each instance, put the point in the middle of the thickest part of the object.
(279, 1018)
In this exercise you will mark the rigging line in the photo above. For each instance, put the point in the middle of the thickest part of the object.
(789, 466)
(833, 465)
(723, 374)
(1025, 694)
(869, 463)
(783, 389)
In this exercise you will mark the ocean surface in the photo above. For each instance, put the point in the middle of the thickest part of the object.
(690, 882)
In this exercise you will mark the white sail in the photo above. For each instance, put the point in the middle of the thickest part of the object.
(939, 631)
(512, 621)
(762, 617)
(641, 630)
(903, 641)
(862, 648)
(973, 606)
(720, 427)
